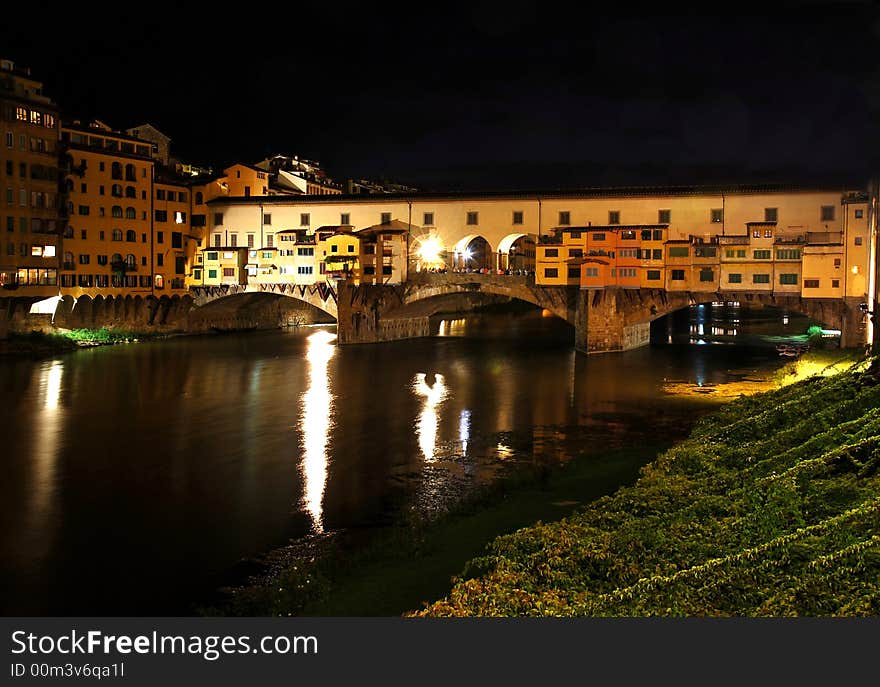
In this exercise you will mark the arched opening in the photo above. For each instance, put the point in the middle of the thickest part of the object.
(130, 192)
(131, 236)
(199, 198)
(516, 254)
(472, 254)
(130, 213)
(744, 323)
(130, 173)
(116, 171)
(116, 211)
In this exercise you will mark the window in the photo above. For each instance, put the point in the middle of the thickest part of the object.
(664, 216)
(130, 213)
(180, 217)
(762, 254)
(705, 251)
(837, 263)
(677, 275)
(716, 214)
(768, 233)
(212, 255)
(82, 234)
(657, 254)
(707, 275)
(116, 170)
(102, 259)
(304, 269)
(599, 237)
(386, 218)
(117, 234)
(369, 269)
(788, 254)
(735, 278)
(83, 210)
(345, 218)
(270, 240)
(160, 194)
(161, 215)
(131, 236)
(575, 252)
(268, 254)
(827, 214)
(218, 218)
(84, 259)
(859, 214)
(760, 278)
(351, 248)
(627, 271)
(835, 283)
(250, 240)
(811, 283)
(199, 198)
(212, 274)
(756, 233)
(101, 235)
(857, 241)
(788, 279)
(160, 260)
(228, 271)
(628, 235)
(653, 275)
(551, 272)
(267, 218)
(771, 214)
(574, 272)
(591, 271)
(160, 237)
(614, 217)
(565, 218)
(305, 219)
(551, 252)
(233, 240)
(305, 251)
(473, 218)
(679, 251)
(197, 274)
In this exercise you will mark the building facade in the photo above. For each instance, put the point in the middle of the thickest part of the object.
(31, 221)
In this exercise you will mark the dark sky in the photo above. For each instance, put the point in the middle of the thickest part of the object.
(476, 96)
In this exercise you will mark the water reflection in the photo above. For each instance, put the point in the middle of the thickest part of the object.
(428, 420)
(464, 430)
(316, 420)
(47, 431)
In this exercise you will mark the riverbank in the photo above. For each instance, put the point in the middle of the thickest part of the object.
(386, 572)
(770, 508)
(40, 344)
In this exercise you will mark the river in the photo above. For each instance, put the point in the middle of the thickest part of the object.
(135, 477)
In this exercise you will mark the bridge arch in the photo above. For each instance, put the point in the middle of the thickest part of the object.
(472, 252)
(516, 252)
(320, 295)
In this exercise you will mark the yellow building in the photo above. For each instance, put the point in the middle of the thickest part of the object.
(31, 220)
(108, 243)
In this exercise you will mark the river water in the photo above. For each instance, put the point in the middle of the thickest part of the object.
(136, 476)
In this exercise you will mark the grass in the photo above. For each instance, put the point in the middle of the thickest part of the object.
(770, 508)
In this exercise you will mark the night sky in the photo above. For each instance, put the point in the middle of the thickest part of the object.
(473, 96)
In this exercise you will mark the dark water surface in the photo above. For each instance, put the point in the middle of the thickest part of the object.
(134, 477)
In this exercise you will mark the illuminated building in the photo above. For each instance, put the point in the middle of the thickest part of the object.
(29, 179)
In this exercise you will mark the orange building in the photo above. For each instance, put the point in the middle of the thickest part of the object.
(29, 178)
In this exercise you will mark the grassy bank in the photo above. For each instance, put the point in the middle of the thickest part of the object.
(770, 508)
(39, 343)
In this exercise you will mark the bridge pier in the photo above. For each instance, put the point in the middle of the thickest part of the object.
(602, 323)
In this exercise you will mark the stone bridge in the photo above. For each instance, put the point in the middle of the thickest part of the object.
(604, 319)
(322, 296)
(613, 319)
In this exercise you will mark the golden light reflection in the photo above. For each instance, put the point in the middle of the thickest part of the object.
(429, 252)
(464, 430)
(47, 429)
(315, 423)
(428, 421)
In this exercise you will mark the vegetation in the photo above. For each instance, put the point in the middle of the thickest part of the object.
(770, 508)
(39, 343)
